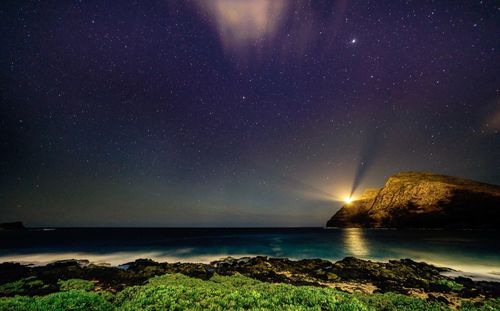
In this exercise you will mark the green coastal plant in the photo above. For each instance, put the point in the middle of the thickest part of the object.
(75, 284)
(236, 292)
(393, 301)
(75, 300)
(20, 287)
(487, 305)
(452, 285)
(178, 292)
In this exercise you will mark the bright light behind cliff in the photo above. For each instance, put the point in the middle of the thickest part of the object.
(348, 199)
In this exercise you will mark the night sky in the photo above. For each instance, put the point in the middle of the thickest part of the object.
(235, 112)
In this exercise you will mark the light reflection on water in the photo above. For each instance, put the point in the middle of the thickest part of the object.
(477, 251)
(355, 243)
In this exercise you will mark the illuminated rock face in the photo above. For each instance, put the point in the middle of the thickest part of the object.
(423, 200)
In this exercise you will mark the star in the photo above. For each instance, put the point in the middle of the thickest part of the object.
(274, 90)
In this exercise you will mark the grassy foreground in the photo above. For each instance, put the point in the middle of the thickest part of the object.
(179, 292)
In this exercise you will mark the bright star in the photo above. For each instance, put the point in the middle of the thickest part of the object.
(353, 41)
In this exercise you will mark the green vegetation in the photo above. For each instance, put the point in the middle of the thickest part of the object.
(70, 300)
(19, 287)
(452, 285)
(392, 301)
(488, 305)
(75, 284)
(179, 292)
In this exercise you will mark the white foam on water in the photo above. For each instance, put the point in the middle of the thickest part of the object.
(479, 272)
(482, 270)
(116, 258)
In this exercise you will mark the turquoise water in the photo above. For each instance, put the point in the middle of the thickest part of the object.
(472, 250)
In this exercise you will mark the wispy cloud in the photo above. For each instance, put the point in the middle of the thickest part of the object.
(243, 24)
(282, 28)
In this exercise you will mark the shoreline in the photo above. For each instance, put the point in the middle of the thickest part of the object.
(422, 282)
(116, 259)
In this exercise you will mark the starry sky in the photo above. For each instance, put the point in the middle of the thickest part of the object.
(237, 112)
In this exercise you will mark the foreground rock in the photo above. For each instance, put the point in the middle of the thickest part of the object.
(423, 200)
(350, 274)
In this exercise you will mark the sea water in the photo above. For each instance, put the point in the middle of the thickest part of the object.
(466, 250)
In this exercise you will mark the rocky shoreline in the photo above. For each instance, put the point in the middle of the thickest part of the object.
(403, 276)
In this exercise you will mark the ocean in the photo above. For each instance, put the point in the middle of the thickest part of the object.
(473, 251)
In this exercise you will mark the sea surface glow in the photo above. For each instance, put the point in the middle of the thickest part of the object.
(473, 251)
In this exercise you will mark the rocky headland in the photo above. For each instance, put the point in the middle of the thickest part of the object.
(423, 200)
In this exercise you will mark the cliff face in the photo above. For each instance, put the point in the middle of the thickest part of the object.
(423, 200)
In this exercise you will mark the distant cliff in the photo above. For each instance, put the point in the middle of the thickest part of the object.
(423, 200)
(12, 226)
